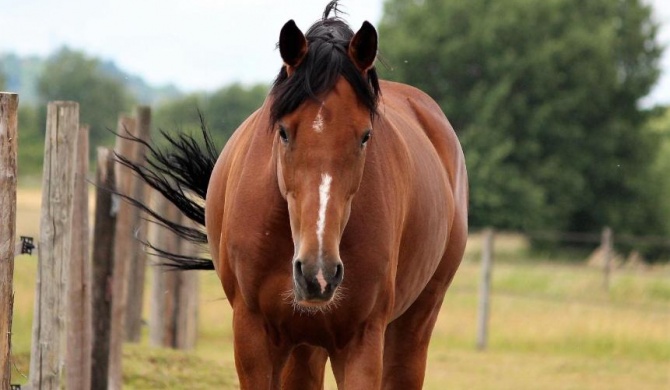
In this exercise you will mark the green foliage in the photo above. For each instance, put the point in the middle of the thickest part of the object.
(224, 110)
(228, 107)
(31, 141)
(179, 114)
(2, 80)
(659, 126)
(544, 96)
(71, 75)
(103, 92)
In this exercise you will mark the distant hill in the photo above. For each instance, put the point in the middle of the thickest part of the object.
(143, 92)
(21, 75)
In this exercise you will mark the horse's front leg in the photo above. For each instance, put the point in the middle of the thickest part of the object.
(305, 368)
(258, 360)
(359, 364)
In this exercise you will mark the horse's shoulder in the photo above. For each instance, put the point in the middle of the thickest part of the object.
(418, 107)
(399, 94)
(232, 158)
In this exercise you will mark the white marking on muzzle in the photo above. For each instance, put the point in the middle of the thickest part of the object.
(317, 125)
(324, 195)
(321, 280)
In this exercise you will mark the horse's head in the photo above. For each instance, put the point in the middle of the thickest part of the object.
(323, 103)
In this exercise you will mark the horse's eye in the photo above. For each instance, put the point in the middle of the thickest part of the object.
(366, 137)
(282, 134)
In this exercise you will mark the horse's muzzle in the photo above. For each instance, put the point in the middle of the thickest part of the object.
(316, 283)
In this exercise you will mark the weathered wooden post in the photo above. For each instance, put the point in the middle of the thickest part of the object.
(122, 246)
(103, 268)
(49, 321)
(79, 330)
(9, 103)
(606, 245)
(187, 298)
(162, 321)
(174, 294)
(485, 290)
(137, 261)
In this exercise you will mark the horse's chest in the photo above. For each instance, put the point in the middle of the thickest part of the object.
(258, 247)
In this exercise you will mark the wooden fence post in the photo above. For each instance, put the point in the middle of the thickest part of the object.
(49, 321)
(174, 304)
(485, 290)
(9, 103)
(103, 266)
(79, 330)
(187, 298)
(123, 238)
(162, 320)
(606, 244)
(138, 256)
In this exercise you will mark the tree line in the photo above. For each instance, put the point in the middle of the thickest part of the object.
(103, 94)
(544, 96)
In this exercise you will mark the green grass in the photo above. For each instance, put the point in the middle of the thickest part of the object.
(168, 369)
(552, 326)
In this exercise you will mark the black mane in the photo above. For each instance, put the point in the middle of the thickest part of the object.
(327, 59)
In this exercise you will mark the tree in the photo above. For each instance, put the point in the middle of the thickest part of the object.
(228, 107)
(544, 96)
(659, 125)
(223, 110)
(31, 140)
(70, 75)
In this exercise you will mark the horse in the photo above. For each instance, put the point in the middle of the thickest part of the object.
(336, 217)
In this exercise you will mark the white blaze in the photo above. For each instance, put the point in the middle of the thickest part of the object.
(321, 280)
(324, 195)
(317, 125)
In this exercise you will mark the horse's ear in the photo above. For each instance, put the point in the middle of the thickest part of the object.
(363, 47)
(292, 45)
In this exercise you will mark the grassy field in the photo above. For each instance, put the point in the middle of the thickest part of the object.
(553, 326)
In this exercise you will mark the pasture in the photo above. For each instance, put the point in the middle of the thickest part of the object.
(552, 326)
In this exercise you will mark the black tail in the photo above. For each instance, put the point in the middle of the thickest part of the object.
(181, 174)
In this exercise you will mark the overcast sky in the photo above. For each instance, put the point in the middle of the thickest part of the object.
(195, 44)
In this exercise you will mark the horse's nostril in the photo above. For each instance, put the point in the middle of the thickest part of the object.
(297, 267)
(339, 273)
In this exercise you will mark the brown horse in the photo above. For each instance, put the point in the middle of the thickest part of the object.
(336, 217)
(337, 234)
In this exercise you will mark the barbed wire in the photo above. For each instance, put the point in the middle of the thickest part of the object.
(595, 238)
(25, 246)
